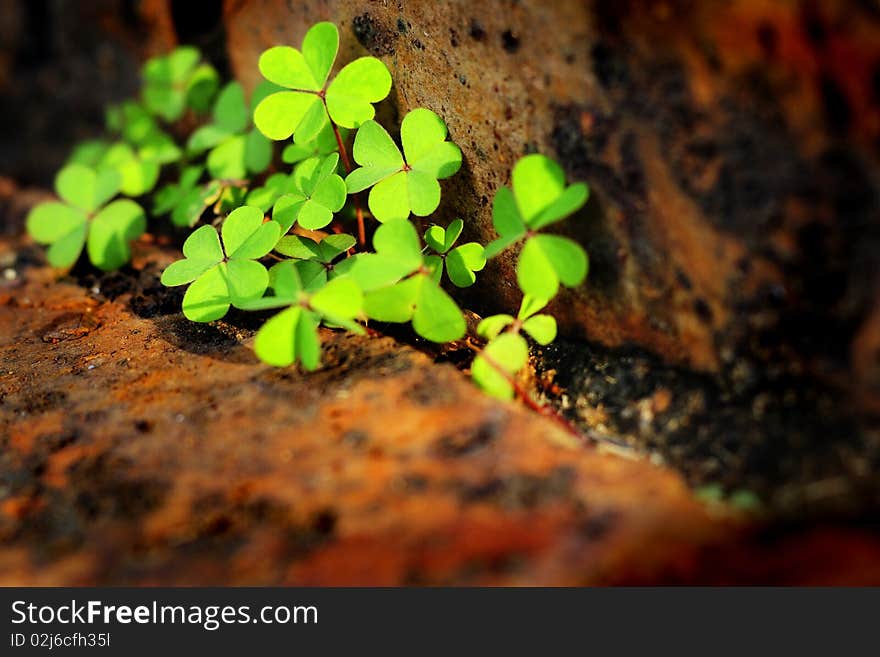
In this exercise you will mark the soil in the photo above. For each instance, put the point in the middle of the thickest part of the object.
(794, 444)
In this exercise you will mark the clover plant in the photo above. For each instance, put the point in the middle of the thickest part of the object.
(292, 334)
(460, 262)
(293, 216)
(178, 81)
(507, 351)
(235, 148)
(223, 272)
(399, 287)
(139, 153)
(318, 192)
(539, 198)
(140, 130)
(187, 198)
(83, 218)
(403, 184)
(310, 98)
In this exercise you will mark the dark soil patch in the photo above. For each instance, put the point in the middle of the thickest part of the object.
(793, 442)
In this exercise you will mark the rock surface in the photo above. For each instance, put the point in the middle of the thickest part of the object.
(139, 448)
(732, 149)
(732, 152)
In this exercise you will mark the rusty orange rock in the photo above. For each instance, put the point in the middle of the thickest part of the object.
(728, 146)
(151, 450)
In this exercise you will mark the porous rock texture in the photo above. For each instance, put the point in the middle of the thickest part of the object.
(139, 448)
(731, 147)
(734, 224)
(731, 311)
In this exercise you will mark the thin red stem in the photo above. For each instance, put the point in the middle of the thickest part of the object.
(526, 399)
(346, 161)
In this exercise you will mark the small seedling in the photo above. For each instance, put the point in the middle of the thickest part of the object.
(496, 367)
(83, 219)
(235, 148)
(403, 184)
(319, 192)
(460, 262)
(302, 110)
(177, 81)
(539, 199)
(223, 273)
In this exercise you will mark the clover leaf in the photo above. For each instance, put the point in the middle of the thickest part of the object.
(325, 251)
(507, 352)
(230, 196)
(275, 186)
(542, 328)
(316, 259)
(461, 262)
(176, 80)
(291, 335)
(397, 254)
(137, 175)
(138, 157)
(498, 363)
(324, 144)
(223, 273)
(539, 198)
(131, 121)
(399, 288)
(88, 153)
(83, 219)
(137, 127)
(403, 184)
(186, 199)
(235, 147)
(319, 192)
(303, 107)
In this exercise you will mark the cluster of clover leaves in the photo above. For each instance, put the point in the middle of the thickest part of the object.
(293, 216)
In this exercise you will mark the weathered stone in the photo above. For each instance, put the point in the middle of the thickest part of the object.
(139, 448)
(731, 149)
(732, 153)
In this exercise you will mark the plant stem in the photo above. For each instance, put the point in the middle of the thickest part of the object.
(362, 233)
(526, 399)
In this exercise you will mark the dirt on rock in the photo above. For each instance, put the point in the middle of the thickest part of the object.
(140, 448)
(786, 443)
